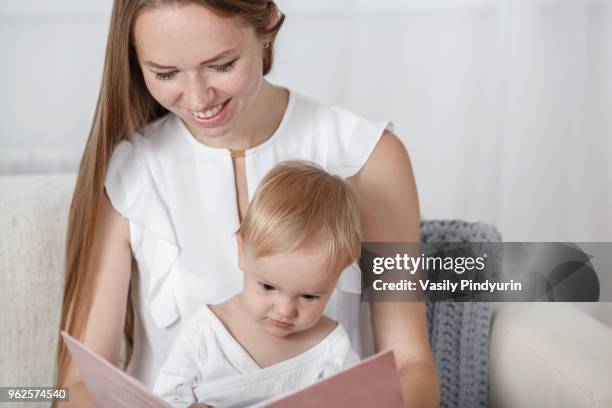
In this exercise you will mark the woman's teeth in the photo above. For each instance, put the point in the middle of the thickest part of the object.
(209, 113)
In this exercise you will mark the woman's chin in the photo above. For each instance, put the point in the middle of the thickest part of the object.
(206, 134)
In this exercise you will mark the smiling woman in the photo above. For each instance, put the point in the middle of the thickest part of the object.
(185, 129)
(209, 96)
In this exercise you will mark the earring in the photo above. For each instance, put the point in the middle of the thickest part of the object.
(266, 45)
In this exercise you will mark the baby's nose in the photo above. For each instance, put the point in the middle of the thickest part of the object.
(286, 308)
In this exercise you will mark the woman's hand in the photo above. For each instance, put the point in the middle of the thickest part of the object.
(389, 207)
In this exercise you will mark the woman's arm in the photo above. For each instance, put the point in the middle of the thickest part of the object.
(389, 208)
(111, 260)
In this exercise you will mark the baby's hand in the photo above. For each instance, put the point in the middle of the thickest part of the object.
(200, 406)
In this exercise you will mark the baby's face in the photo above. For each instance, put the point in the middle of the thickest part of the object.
(286, 293)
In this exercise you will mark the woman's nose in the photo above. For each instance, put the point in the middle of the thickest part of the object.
(197, 94)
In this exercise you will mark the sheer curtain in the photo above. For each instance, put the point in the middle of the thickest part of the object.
(504, 105)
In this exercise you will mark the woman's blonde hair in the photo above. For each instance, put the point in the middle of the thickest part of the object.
(125, 105)
(296, 202)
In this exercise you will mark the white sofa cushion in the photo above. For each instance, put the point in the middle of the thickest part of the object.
(33, 218)
(549, 355)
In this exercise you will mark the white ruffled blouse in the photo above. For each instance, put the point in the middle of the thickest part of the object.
(180, 200)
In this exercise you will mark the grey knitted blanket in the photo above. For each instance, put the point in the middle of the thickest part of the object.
(459, 332)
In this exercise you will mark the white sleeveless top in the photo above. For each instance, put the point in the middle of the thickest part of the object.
(179, 197)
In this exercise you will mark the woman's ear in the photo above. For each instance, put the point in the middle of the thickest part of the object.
(240, 245)
(276, 16)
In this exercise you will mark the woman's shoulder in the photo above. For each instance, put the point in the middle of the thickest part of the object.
(135, 165)
(155, 142)
(151, 138)
(346, 138)
(311, 112)
(317, 112)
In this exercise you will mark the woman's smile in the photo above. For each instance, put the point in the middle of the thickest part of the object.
(213, 116)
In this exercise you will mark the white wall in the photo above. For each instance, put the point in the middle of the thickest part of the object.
(52, 55)
(503, 104)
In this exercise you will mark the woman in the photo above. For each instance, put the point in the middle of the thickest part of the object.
(185, 127)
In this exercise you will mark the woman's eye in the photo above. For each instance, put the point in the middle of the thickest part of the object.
(164, 76)
(266, 287)
(225, 67)
(310, 297)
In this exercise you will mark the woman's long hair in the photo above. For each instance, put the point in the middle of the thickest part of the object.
(125, 105)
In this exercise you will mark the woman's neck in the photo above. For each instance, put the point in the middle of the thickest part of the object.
(258, 123)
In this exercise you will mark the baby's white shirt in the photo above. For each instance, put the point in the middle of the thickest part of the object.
(208, 365)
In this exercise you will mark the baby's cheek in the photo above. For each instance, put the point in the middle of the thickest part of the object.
(258, 304)
(314, 312)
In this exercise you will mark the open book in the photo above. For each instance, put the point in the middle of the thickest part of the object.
(373, 382)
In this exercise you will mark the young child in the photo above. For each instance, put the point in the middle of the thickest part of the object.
(299, 232)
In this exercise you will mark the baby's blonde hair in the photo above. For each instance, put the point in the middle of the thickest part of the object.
(297, 201)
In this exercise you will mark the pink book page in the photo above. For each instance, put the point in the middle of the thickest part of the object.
(107, 385)
(373, 382)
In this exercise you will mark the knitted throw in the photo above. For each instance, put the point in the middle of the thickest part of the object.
(459, 332)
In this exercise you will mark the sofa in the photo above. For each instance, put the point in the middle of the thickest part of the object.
(540, 355)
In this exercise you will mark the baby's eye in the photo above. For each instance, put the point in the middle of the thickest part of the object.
(163, 76)
(310, 297)
(266, 287)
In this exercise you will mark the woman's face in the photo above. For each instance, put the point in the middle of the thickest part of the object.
(205, 69)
